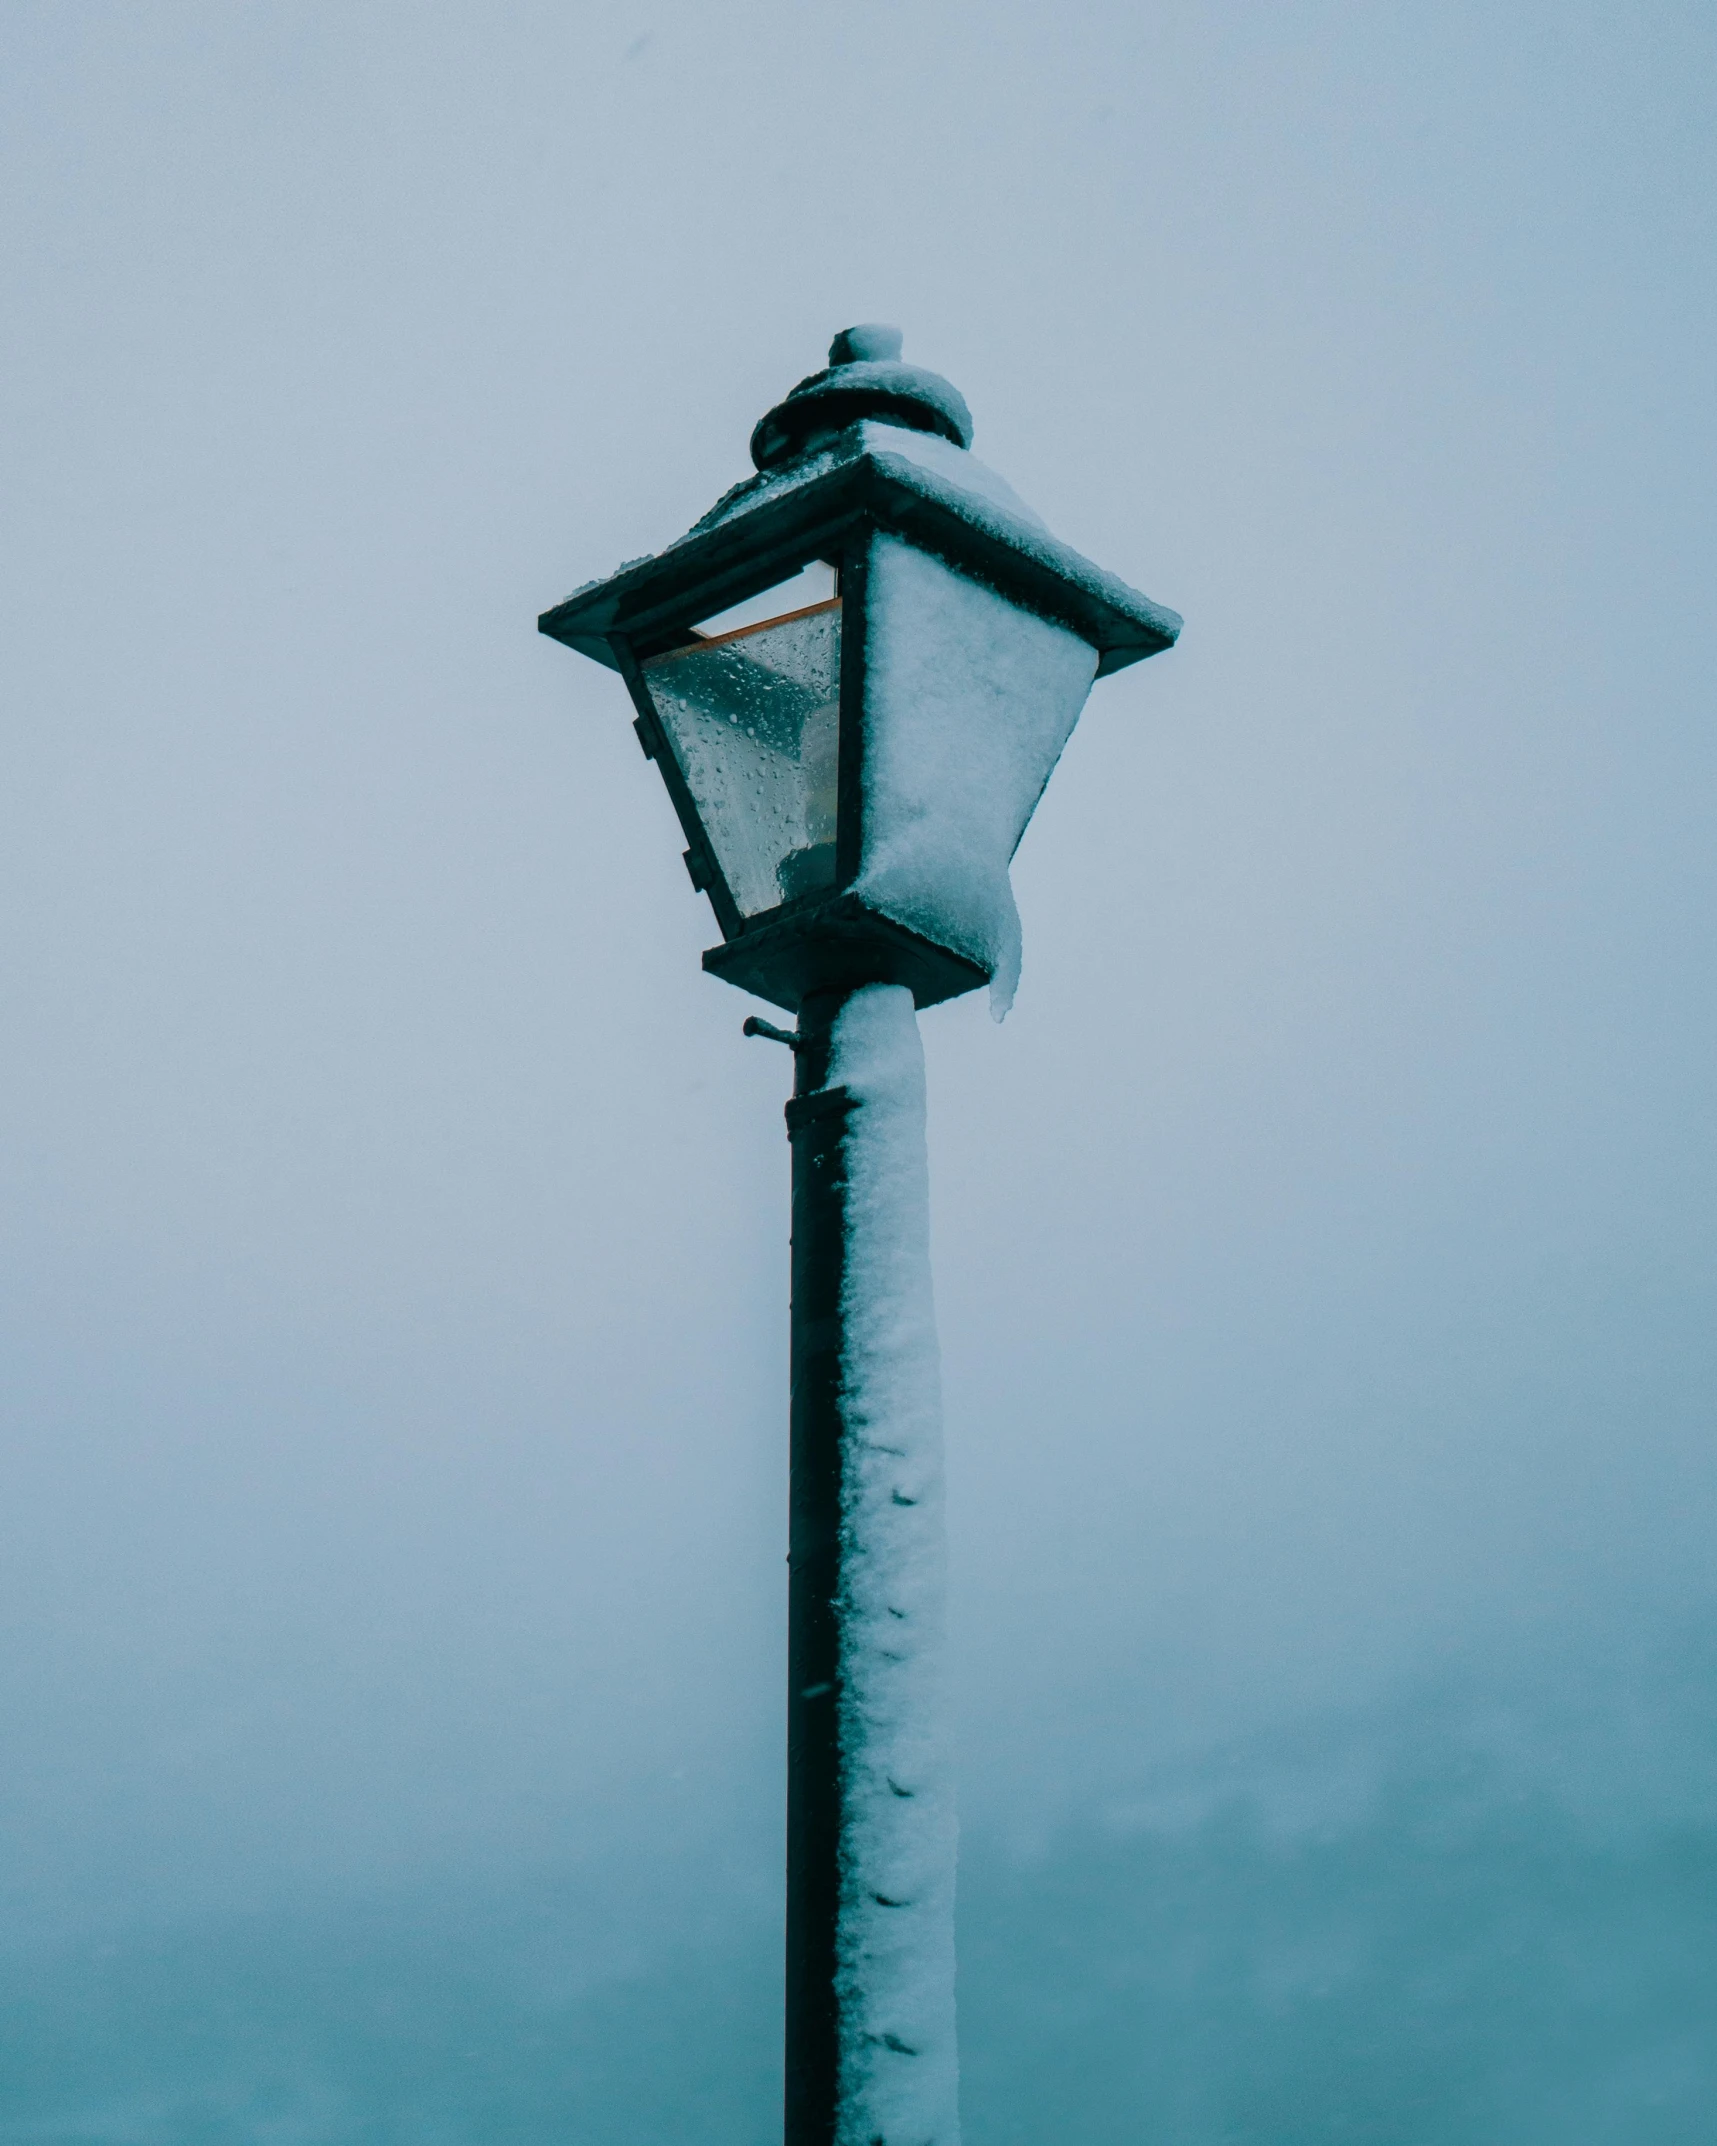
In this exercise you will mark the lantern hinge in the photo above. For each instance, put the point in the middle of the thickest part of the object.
(642, 731)
(697, 871)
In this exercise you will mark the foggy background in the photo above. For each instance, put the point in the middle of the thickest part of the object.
(394, 1288)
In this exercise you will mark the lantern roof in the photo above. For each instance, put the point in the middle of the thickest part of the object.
(867, 440)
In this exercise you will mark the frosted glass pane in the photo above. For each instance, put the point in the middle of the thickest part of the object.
(754, 722)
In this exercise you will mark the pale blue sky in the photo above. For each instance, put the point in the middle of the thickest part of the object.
(394, 1254)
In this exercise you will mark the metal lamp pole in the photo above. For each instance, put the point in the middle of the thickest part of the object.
(853, 773)
(870, 1818)
(817, 1128)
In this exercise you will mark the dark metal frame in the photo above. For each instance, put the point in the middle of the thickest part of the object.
(832, 939)
(753, 547)
(808, 955)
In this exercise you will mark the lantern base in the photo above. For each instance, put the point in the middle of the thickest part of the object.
(839, 945)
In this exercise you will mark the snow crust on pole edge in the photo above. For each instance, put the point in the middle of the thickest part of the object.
(895, 1972)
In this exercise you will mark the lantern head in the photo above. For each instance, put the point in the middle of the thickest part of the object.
(856, 675)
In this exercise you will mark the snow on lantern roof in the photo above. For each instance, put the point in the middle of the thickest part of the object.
(867, 439)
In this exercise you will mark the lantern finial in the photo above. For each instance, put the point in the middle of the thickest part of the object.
(864, 377)
(869, 343)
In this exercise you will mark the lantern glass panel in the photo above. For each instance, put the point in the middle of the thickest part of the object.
(753, 719)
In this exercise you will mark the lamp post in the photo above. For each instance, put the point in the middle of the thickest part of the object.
(853, 771)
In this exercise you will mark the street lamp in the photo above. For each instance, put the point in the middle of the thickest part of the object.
(854, 759)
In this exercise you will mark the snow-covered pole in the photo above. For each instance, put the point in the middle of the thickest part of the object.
(870, 1811)
(855, 674)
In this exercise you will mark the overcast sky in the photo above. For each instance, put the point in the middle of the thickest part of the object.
(394, 1239)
